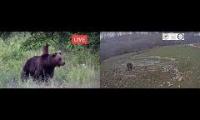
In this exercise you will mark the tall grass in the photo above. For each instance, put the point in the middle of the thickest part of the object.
(81, 69)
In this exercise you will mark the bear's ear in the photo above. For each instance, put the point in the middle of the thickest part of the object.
(54, 54)
(45, 49)
(59, 52)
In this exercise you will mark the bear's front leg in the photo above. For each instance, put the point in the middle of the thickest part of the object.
(38, 74)
(51, 74)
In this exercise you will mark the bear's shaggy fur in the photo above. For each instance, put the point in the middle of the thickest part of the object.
(41, 68)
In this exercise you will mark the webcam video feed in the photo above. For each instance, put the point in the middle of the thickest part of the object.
(49, 60)
(150, 59)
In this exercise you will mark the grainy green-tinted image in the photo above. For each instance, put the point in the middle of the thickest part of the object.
(48, 60)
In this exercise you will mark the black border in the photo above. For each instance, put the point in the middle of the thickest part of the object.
(94, 23)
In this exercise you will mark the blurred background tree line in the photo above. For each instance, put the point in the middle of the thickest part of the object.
(60, 40)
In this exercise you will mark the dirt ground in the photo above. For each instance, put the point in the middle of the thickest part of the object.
(147, 72)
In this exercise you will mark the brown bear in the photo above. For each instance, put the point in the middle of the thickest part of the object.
(41, 68)
(129, 66)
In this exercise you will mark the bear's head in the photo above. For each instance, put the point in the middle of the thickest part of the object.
(57, 59)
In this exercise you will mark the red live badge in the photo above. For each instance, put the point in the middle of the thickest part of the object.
(79, 39)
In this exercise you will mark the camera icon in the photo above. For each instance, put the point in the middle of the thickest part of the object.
(180, 36)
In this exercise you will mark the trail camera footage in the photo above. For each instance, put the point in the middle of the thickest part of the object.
(150, 59)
